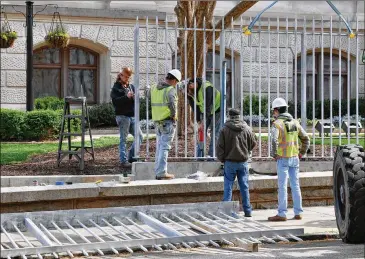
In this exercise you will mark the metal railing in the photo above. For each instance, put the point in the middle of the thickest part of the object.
(270, 54)
(130, 229)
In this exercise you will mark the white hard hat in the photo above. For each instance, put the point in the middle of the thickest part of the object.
(176, 73)
(279, 102)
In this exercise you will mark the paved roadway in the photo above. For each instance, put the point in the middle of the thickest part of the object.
(333, 249)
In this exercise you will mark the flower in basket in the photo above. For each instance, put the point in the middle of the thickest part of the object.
(8, 38)
(58, 38)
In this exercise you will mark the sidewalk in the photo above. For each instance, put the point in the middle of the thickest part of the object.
(316, 220)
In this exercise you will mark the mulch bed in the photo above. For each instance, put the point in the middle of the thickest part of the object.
(107, 160)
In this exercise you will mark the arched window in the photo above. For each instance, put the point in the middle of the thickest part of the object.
(65, 72)
(317, 73)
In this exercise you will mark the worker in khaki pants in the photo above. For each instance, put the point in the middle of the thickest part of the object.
(285, 150)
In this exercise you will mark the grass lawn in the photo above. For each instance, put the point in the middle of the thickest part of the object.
(18, 152)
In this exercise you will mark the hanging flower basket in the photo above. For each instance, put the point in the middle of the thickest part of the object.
(57, 36)
(8, 36)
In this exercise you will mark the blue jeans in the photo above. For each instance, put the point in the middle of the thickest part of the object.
(126, 125)
(239, 169)
(165, 132)
(200, 148)
(289, 166)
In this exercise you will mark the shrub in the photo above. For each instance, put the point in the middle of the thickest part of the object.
(255, 105)
(142, 109)
(102, 115)
(75, 122)
(49, 103)
(327, 106)
(11, 125)
(40, 125)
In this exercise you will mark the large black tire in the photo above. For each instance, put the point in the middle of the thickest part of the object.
(349, 192)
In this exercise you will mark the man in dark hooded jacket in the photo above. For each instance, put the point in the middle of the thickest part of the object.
(236, 141)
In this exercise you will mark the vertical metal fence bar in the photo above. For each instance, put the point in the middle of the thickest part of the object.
(177, 92)
(223, 73)
(322, 84)
(186, 88)
(156, 50)
(204, 92)
(136, 89)
(295, 86)
(268, 87)
(314, 73)
(331, 92)
(232, 68)
(213, 82)
(278, 58)
(339, 83)
(250, 42)
(348, 86)
(165, 38)
(195, 115)
(303, 77)
(287, 60)
(259, 86)
(241, 68)
(147, 99)
(357, 80)
(224, 92)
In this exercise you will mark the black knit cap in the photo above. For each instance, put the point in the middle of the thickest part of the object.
(234, 112)
(199, 80)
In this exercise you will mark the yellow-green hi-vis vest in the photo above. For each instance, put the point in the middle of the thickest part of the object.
(200, 100)
(159, 103)
(288, 138)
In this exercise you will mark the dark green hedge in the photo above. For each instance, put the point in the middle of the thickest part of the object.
(327, 106)
(34, 125)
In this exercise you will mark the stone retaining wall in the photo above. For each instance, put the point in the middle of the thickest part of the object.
(316, 190)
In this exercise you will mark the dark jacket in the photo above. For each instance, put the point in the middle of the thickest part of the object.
(122, 104)
(208, 104)
(236, 141)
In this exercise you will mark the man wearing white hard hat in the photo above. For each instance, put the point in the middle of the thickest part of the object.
(285, 149)
(164, 107)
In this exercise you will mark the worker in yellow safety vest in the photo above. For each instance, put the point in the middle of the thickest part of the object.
(286, 151)
(209, 105)
(164, 114)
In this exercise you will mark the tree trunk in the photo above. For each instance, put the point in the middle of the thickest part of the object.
(197, 12)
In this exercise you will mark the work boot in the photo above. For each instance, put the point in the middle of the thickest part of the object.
(125, 164)
(165, 176)
(298, 217)
(248, 215)
(277, 218)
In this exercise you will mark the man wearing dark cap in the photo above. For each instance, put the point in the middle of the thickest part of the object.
(236, 141)
(212, 101)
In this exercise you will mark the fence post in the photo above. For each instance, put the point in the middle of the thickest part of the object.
(303, 75)
(136, 88)
(224, 94)
(223, 68)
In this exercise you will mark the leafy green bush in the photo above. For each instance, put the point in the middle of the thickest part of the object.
(142, 109)
(40, 125)
(327, 108)
(49, 103)
(75, 124)
(11, 125)
(255, 105)
(102, 115)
